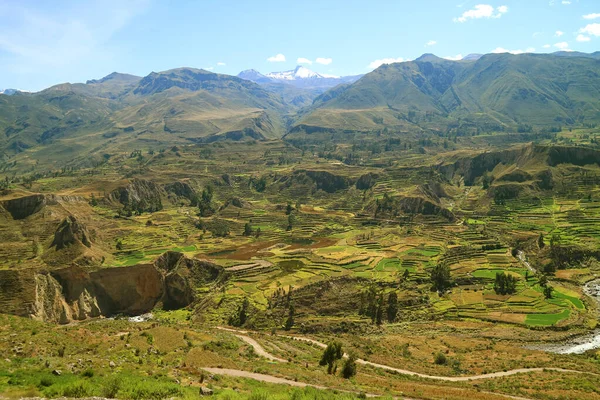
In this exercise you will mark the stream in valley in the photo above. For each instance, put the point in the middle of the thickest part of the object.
(581, 344)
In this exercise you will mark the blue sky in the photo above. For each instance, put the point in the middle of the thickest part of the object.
(47, 42)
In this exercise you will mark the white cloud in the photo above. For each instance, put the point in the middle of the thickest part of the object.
(566, 2)
(303, 60)
(591, 29)
(559, 33)
(378, 63)
(546, 46)
(583, 38)
(208, 68)
(324, 61)
(457, 57)
(592, 16)
(431, 43)
(482, 11)
(278, 58)
(221, 64)
(500, 50)
(562, 46)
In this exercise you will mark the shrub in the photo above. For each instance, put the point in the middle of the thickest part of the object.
(440, 359)
(111, 388)
(88, 373)
(349, 368)
(77, 390)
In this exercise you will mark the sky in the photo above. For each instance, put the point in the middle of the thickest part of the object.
(43, 43)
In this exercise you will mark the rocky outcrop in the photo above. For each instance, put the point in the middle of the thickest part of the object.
(324, 180)
(23, 207)
(139, 195)
(420, 205)
(180, 189)
(182, 275)
(70, 231)
(367, 181)
(72, 293)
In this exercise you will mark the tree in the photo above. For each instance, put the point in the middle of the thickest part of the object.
(541, 243)
(205, 203)
(392, 308)
(248, 229)
(290, 319)
(257, 234)
(548, 292)
(93, 201)
(332, 353)
(543, 281)
(379, 313)
(440, 278)
(291, 221)
(289, 209)
(349, 368)
(119, 245)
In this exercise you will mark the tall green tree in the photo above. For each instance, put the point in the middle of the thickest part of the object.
(440, 278)
(392, 307)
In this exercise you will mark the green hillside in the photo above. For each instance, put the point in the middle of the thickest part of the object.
(496, 92)
(121, 111)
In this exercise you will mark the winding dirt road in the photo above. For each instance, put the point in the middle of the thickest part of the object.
(261, 351)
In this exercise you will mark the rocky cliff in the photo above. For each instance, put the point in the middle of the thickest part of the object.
(139, 195)
(68, 294)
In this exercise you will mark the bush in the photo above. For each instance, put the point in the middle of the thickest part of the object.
(77, 390)
(46, 382)
(349, 368)
(88, 373)
(440, 359)
(111, 388)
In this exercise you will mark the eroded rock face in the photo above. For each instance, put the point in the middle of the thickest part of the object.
(182, 275)
(180, 189)
(140, 195)
(69, 232)
(72, 293)
(23, 207)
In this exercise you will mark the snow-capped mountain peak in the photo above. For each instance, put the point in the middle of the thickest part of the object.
(9, 92)
(299, 77)
(299, 72)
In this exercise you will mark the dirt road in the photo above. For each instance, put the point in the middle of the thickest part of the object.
(261, 351)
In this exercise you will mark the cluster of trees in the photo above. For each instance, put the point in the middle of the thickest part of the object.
(250, 231)
(373, 305)
(548, 290)
(334, 352)
(505, 283)
(282, 299)
(205, 202)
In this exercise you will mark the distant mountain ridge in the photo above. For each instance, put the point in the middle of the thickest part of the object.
(493, 92)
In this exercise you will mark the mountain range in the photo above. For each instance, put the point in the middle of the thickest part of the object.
(82, 122)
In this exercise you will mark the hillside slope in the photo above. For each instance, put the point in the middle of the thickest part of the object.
(495, 92)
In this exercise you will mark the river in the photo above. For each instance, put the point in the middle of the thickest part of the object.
(583, 343)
